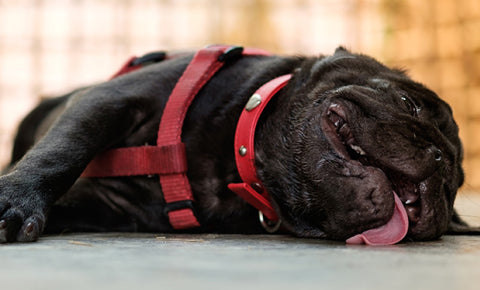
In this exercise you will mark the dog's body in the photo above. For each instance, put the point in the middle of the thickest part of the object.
(331, 147)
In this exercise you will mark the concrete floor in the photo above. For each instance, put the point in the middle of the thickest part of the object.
(227, 262)
(149, 261)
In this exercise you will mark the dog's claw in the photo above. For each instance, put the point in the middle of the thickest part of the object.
(28, 234)
(31, 229)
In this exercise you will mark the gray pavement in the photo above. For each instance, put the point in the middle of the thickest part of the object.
(155, 261)
(228, 262)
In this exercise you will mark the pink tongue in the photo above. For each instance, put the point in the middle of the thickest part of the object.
(391, 233)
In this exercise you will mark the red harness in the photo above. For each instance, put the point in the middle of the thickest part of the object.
(168, 157)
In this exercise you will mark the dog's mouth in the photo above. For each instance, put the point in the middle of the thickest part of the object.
(407, 195)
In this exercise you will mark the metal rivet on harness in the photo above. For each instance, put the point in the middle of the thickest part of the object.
(242, 150)
(253, 102)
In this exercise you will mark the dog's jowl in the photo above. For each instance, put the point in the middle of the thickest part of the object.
(341, 147)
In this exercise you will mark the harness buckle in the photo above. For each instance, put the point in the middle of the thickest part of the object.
(149, 58)
(178, 205)
(233, 52)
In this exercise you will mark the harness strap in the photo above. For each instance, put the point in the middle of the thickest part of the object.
(176, 186)
(139, 160)
(168, 158)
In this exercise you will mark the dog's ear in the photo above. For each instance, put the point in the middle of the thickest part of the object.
(458, 226)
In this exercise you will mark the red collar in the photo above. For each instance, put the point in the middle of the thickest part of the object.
(252, 189)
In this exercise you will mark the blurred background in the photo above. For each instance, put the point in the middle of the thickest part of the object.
(48, 47)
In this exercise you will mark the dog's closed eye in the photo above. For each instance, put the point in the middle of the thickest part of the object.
(410, 105)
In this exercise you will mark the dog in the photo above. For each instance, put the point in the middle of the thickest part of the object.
(343, 135)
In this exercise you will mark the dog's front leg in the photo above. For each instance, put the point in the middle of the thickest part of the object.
(94, 120)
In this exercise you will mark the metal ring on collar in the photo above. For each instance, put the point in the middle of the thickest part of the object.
(270, 226)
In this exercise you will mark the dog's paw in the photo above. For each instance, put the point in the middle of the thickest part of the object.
(22, 214)
(15, 227)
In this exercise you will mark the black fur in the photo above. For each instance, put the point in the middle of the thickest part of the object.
(407, 137)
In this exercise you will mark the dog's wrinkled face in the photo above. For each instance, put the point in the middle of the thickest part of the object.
(358, 132)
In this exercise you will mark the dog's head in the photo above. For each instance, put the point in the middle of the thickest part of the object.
(348, 133)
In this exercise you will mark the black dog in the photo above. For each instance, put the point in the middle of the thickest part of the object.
(331, 148)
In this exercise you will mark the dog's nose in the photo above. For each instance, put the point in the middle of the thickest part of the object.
(436, 153)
